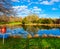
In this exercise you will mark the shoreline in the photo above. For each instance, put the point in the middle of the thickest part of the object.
(30, 24)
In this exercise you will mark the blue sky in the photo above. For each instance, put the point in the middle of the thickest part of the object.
(43, 8)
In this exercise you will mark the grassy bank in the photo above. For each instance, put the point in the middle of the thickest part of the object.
(17, 23)
(10, 23)
(34, 43)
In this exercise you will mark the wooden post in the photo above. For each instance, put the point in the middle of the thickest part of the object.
(3, 39)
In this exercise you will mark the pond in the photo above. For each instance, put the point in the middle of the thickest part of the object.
(24, 30)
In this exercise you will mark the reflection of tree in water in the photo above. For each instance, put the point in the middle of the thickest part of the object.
(32, 29)
(45, 27)
(14, 26)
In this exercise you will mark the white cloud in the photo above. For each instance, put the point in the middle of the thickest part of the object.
(43, 15)
(55, 0)
(23, 7)
(46, 2)
(15, 7)
(54, 8)
(24, 10)
(21, 10)
(33, 3)
(15, 0)
(28, 0)
(36, 10)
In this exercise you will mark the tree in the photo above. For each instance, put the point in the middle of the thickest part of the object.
(4, 19)
(45, 21)
(6, 10)
(30, 19)
(5, 7)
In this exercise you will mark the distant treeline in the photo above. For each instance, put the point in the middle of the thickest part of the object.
(30, 19)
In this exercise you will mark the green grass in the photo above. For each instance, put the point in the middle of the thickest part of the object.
(10, 23)
(34, 43)
(14, 22)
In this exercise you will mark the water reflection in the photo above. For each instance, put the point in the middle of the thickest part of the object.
(31, 29)
(24, 30)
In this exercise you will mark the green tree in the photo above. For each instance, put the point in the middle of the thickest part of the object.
(45, 21)
(30, 19)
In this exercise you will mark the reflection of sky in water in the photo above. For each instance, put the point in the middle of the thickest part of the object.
(50, 31)
(23, 33)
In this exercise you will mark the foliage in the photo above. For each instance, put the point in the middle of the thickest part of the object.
(45, 21)
(33, 43)
(30, 19)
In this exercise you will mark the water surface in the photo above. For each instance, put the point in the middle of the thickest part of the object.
(23, 31)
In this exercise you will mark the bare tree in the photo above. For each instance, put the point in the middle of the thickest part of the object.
(5, 6)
